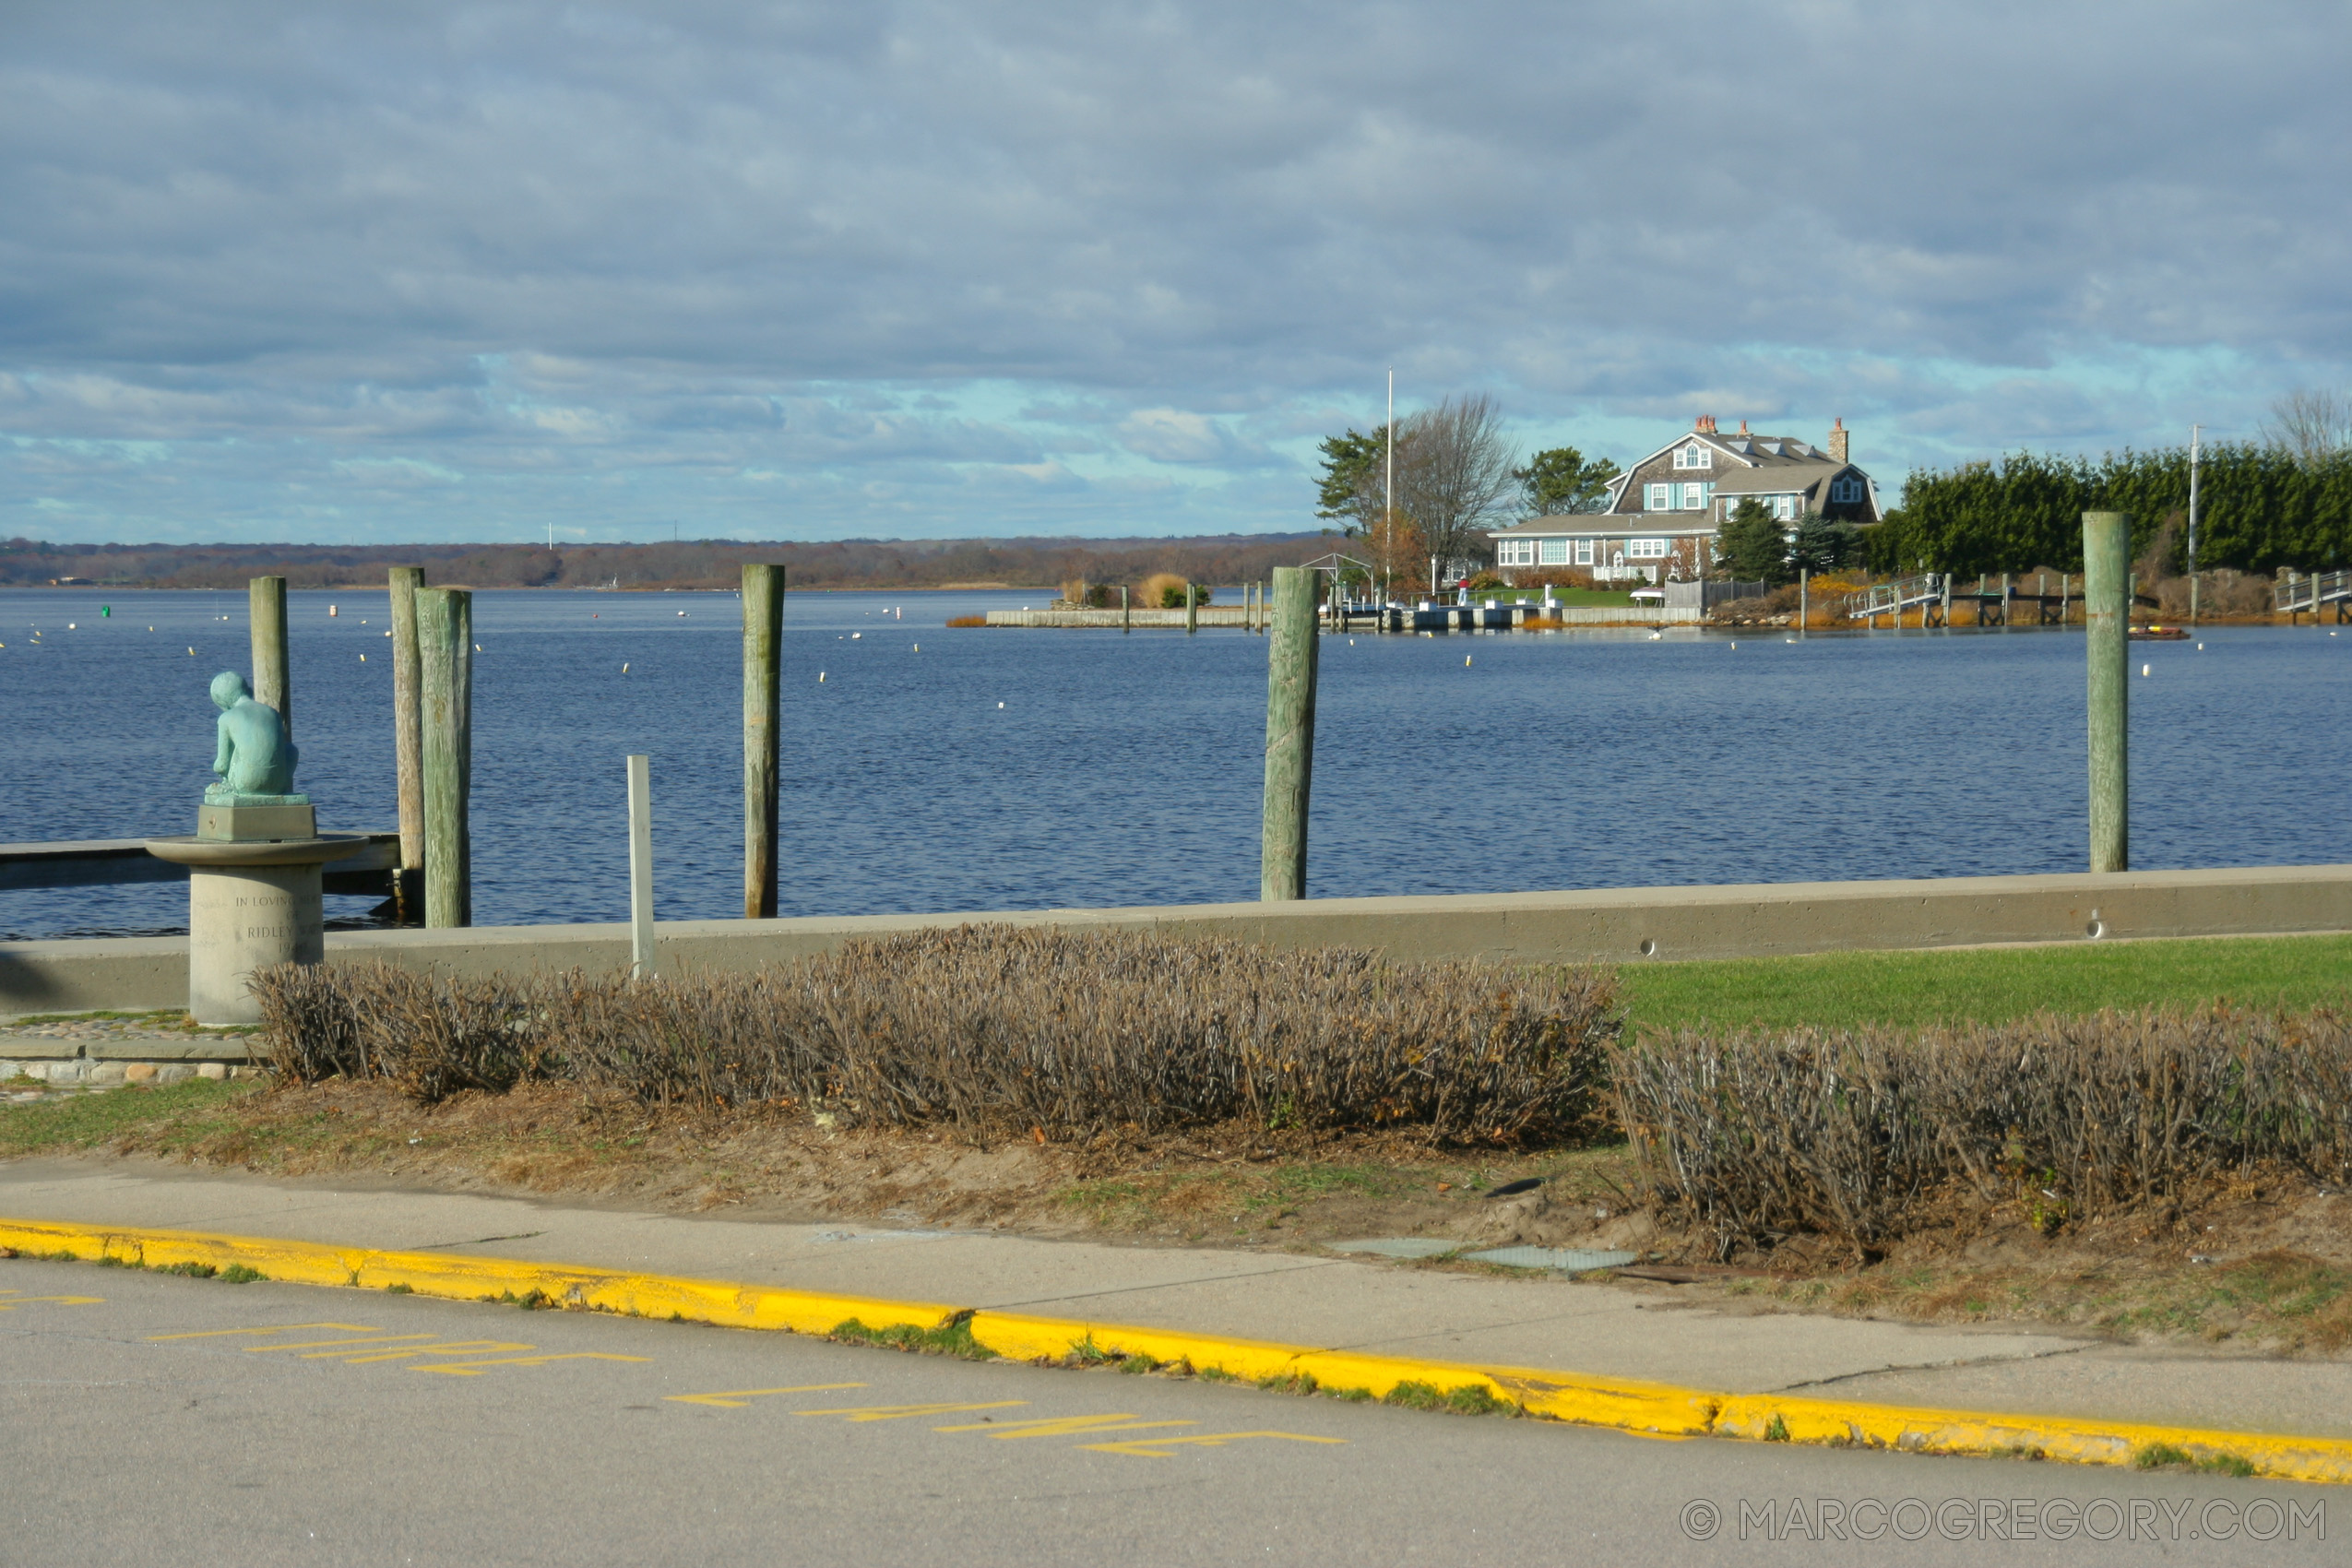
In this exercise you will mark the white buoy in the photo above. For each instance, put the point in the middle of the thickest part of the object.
(477, 647)
(918, 647)
(1466, 661)
(1735, 647)
(2201, 648)
(191, 653)
(1000, 705)
(330, 610)
(820, 676)
(2146, 669)
(364, 658)
(855, 635)
(625, 669)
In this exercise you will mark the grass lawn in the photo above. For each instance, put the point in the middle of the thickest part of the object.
(1987, 985)
(1565, 596)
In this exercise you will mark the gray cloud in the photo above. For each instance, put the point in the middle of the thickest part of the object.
(1015, 268)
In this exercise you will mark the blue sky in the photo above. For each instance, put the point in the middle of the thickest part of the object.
(455, 272)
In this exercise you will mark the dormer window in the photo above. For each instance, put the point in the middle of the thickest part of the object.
(1845, 489)
(1694, 456)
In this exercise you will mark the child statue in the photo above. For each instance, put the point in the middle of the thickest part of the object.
(256, 758)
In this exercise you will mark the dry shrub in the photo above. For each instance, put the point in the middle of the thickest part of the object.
(431, 1036)
(1758, 1137)
(968, 620)
(994, 1028)
(1161, 590)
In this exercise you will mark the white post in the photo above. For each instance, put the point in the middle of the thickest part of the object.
(2194, 431)
(641, 963)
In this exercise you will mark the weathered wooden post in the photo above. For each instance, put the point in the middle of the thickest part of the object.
(1192, 610)
(641, 958)
(408, 745)
(2107, 612)
(1804, 599)
(445, 669)
(1289, 735)
(268, 595)
(763, 686)
(1126, 615)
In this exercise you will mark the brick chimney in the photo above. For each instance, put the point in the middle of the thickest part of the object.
(1837, 441)
(1705, 425)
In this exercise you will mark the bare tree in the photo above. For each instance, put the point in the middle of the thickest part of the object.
(2311, 423)
(1455, 475)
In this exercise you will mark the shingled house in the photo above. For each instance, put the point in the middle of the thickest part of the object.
(1664, 511)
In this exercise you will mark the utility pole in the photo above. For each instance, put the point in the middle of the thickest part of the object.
(2194, 431)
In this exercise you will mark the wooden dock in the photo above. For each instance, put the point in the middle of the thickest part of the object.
(98, 862)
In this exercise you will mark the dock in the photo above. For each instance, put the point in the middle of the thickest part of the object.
(98, 862)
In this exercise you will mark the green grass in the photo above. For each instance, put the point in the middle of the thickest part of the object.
(1470, 1399)
(193, 1108)
(1987, 985)
(2165, 1456)
(1566, 596)
(952, 1339)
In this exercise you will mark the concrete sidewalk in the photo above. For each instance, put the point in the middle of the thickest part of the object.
(1321, 1301)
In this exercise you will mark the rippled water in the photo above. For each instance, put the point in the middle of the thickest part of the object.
(1125, 769)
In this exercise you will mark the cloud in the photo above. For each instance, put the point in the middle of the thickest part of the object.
(1151, 250)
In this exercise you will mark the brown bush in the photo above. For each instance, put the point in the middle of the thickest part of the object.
(1762, 1135)
(994, 1028)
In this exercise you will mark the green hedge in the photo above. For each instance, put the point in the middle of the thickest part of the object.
(2258, 509)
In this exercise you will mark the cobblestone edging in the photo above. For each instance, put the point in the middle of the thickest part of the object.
(102, 1053)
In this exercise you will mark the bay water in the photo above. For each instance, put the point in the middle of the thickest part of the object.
(926, 768)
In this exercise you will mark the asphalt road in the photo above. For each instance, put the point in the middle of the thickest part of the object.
(146, 1418)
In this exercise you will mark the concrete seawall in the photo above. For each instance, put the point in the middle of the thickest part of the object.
(1613, 925)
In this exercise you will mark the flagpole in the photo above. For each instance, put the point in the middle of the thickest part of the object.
(2194, 431)
(1388, 486)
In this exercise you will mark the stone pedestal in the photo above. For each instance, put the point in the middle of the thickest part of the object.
(251, 903)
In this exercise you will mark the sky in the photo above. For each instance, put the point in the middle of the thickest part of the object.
(388, 272)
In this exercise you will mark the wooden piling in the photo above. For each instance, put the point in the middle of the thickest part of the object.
(267, 597)
(445, 670)
(2107, 612)
(763, 686)
(1290, 736)
(408, 745)
(1126, 615)
(641, 955)
(1192, 610)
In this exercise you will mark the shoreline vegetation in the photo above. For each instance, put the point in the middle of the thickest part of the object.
(888, 565)
(1931, 1180)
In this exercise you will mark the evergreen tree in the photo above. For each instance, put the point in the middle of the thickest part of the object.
(1753, 548)
(1824, 546)
(1559, 481)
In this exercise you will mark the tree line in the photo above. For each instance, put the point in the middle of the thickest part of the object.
(2261, 505)
(705, 564)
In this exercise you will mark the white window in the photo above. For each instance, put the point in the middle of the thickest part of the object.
(1694, 498)
(1845, 489)
(1583, 553)
(1657, 497)
(1694, 456)
(1646, 549)
(1515, 553)
(1784, 507)
(1555, 552)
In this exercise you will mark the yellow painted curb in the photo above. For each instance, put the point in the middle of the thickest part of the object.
(1626, 1404)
